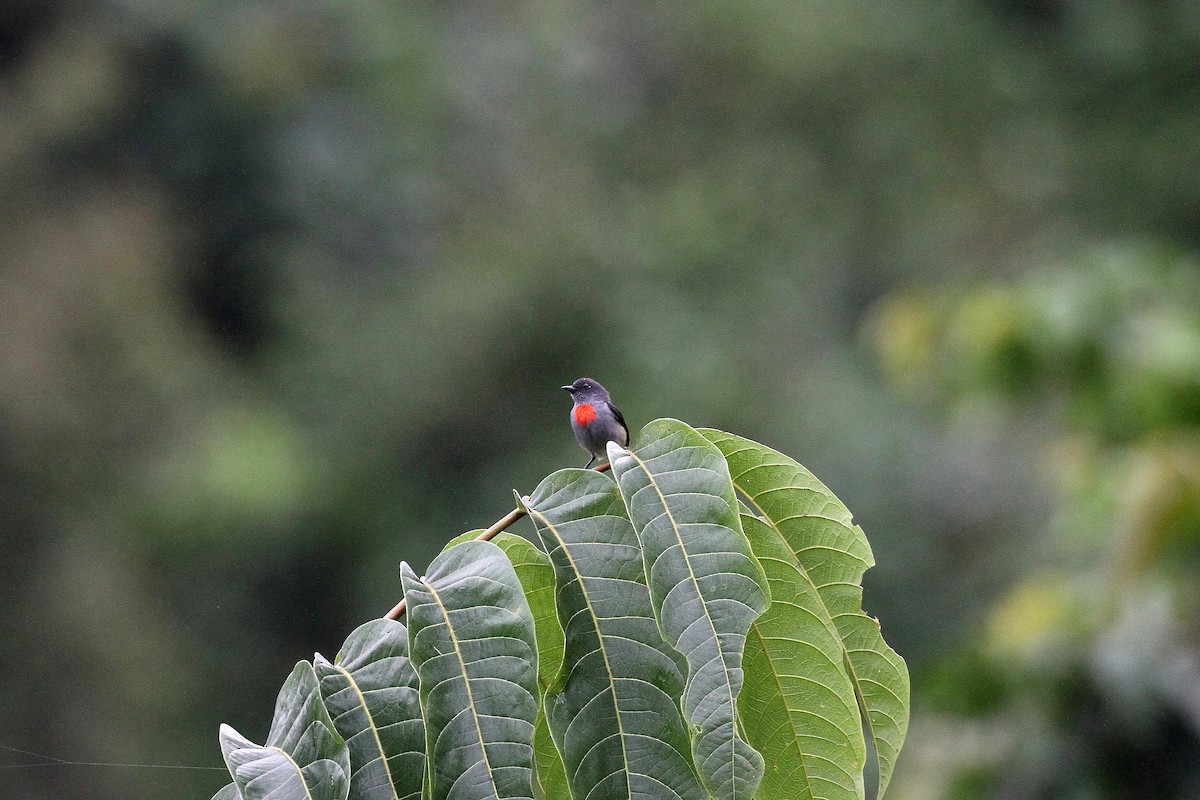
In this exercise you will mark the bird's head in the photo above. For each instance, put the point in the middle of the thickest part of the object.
(586, 390)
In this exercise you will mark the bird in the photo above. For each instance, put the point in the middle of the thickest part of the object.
(594, 419)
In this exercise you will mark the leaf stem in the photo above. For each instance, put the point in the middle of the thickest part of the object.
(497, 526)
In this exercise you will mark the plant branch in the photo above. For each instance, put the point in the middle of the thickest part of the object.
(497, 526)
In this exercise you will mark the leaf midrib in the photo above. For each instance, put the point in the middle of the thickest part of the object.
(362, 700)
(467, 684)
(612, 679)
(791, 723)
(854, 679)
(296, 765)
(703, 603)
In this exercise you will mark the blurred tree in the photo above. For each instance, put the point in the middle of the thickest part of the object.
(1087, 677)
(278, 278)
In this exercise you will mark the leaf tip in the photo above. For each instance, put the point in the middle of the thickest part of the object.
(615, 451)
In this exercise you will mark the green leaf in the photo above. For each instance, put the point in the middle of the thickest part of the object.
(304, 757)
(705, 583)
(371, 694)
(536, 575)
(227, 792)
(537, 580)
(834, 553)
(465, 536)
(798, 705)
(471, 638)
(615, 716)
(549, 772)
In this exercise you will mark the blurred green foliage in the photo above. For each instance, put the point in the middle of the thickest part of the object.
(288, 288)
(1087, 674)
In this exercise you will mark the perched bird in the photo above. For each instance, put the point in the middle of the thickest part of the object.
(594, 419)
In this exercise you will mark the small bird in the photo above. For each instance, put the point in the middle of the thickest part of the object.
(594, 419)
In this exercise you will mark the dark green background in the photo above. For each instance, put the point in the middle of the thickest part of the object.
(287, 290)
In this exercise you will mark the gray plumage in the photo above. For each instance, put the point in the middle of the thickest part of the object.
(604, 424)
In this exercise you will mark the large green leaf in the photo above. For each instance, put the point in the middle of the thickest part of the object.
(797, 705)
(536, 575)
(304, 757)
(371, 694)
(614, 715)
(705, 583)
(471, 638)
(833, 553)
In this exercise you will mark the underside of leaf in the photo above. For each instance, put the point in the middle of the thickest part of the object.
(471, 638)
(615, 716)
(705, 584)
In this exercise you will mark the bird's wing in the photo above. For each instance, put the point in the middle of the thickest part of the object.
(617, 413)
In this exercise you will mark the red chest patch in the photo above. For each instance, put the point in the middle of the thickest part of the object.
(584, 413)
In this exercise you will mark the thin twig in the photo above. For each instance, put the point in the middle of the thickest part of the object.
(499, 525)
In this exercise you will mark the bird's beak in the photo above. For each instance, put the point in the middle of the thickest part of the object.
(566, 388)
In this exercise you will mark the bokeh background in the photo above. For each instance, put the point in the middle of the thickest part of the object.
(287, 290)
